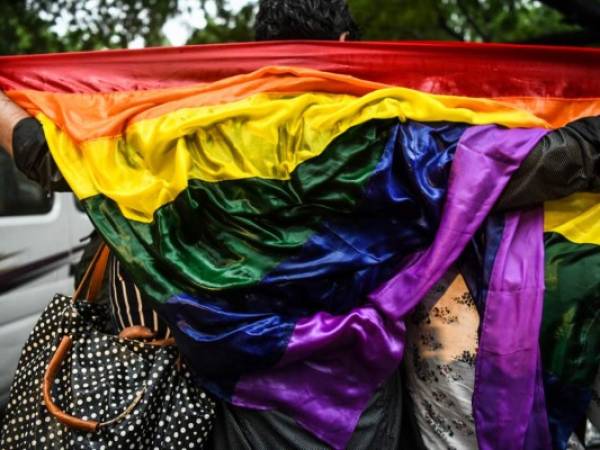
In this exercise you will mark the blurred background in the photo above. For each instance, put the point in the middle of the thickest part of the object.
(39, 26)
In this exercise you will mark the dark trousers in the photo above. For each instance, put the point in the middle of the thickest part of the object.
(382, 426)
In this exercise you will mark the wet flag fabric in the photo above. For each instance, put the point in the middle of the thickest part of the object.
(286, 206)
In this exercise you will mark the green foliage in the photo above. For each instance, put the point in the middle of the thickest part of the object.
(503, 21)
(226, 27)
(465, 20)
(100, 24)
(22, 30)
(398, 19)
(29, 26)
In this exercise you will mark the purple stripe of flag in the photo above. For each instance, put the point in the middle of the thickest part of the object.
(508, 402)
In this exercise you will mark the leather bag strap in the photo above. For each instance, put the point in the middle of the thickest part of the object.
(94, 275)
(63, 417)
(49, 376)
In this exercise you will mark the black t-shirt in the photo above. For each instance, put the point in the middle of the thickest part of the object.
(32, 157)
(565, 161)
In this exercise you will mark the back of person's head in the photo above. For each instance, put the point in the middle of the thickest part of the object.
(304, 19)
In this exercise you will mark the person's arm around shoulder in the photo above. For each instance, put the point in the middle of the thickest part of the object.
(565, 161)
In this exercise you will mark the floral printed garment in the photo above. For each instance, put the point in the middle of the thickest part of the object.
(440, 364)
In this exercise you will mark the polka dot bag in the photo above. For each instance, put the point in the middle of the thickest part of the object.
(78, 387)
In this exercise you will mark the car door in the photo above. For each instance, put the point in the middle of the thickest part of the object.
(37, 248)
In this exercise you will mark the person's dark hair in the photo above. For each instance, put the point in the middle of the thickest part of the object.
(304, 19)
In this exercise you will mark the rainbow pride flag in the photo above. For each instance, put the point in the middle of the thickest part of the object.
(286, 205)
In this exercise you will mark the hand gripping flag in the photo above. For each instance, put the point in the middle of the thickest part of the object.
(286, 205)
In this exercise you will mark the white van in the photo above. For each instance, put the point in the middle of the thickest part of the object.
(40, 240)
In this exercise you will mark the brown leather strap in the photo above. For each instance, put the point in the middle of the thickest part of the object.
(136, 332)
(98, 274)
(65, 418)
(94, 275)
(49, 376)
(141, 333)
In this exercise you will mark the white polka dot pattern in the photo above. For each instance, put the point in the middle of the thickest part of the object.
(98, 380)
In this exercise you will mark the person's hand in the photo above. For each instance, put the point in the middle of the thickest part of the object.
(10, 115)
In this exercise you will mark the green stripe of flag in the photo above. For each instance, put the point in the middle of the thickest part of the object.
(232, 233)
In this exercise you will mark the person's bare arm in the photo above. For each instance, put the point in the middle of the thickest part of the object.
(30, 153)
(10, 115)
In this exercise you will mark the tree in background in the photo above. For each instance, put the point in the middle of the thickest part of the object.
(29, 26)
(464, 20)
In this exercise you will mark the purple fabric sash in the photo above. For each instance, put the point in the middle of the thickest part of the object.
(508, 402)
(334, 364)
